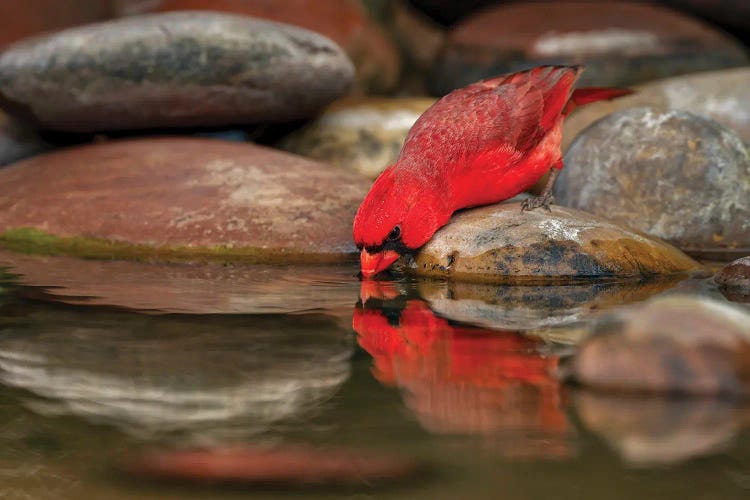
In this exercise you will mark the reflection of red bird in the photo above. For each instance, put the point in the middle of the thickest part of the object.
(478, 145)
(463, 379)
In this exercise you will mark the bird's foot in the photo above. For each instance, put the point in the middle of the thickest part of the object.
(545, 200)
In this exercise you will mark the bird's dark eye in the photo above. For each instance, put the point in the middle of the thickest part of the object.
(394, 234)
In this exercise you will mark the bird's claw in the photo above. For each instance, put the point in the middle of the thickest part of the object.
(543, 201)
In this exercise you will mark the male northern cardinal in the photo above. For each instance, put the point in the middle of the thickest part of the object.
(478, 145)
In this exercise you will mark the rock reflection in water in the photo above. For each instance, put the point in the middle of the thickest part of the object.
(651, 430)
(202, 377)
(527, 307)
(466, 380)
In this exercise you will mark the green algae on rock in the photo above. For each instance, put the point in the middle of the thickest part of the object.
(176, 199)
(499, 243)
(671, 174)
(364, 135)
(180, 69)
(675, 344)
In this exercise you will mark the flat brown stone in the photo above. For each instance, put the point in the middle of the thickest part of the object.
(621, 43)
(177, 199)
(499, 243)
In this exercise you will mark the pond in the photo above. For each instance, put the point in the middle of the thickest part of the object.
(452, 386)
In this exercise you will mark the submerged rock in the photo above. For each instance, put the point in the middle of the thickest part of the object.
(735, 274)
(18, 140)
(179, 199)
(676, 344)
(282, 465)
(621, 43)
(499, 243)
(719, 95)
(671, 174)
(365, 135)
(181, 69)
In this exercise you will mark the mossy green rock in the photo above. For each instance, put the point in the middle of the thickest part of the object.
(179, 199)
(499, 243)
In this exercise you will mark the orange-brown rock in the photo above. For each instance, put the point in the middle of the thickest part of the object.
(179, 199)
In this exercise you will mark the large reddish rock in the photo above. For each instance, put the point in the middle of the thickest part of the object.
(176, 69)
(31, 17)
(621, 43)
(179, 199)
(346, 22)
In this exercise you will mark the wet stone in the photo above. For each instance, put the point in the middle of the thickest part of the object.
(621, 43)
(172, 70)
(718, 95)
(499, 243)
(671, 174)
(735, 274)
(346, 22)
(179, 199)
(365, 135)
(18, 140)
(675, 344)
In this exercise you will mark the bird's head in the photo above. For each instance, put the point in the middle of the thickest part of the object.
(397, 217)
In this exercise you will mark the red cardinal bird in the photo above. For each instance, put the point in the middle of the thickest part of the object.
(478, 145)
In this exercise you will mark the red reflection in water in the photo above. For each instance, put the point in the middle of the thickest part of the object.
(468, 380)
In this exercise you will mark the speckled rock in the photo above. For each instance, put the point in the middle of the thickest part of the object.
(735, 274)
(365, 135)
(206, 378)
(179, 199)
(499, 243)
(172, 70)
(25, 18)
(282, 465)
(18, 140)
(536, 308)
(719, 95)
(621, 43)
(671, 174)
(649, 431)
(674, 344)
(346, 22)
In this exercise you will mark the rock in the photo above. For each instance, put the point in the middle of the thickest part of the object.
(650, 431)
(365, 135)
(172, 70)
(675, 344)
(18, 140)
(283, 465)
(31, 17)
(535, 308)
(735, 274)
(729, 13)
(466, 380)
(719, 95)
(346, 22)
(499, 243)
(179, 199)
(671, 174)
(184, 288)
(621, 43)
(197, 378)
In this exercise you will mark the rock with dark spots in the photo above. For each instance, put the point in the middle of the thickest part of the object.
(18, 140)
(346, 22)
(287, 465)
(719, 95)
(536, 308)
(180, 69)
(179, 199)
(365, 135)
(656, 431)
(735, 274)
(201, 378)
(671, 174)
(499, 243)
(675, 344)
(31, 17)
(621, 43)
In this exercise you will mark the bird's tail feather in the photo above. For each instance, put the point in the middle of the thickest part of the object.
(581, 97)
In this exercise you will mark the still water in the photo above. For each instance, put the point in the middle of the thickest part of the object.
(454, 383)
